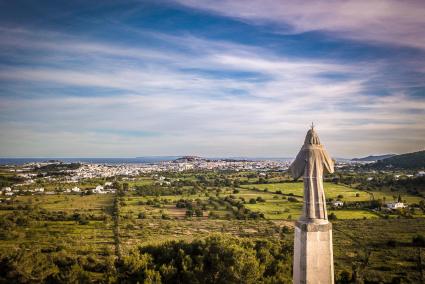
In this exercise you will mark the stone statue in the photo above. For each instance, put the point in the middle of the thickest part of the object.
(312, 161)
(313, 251)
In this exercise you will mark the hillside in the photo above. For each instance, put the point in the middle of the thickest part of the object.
(373, 158)
(415, 160)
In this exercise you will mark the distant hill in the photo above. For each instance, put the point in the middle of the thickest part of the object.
(415, 160)
(186, 159)
(373, 158)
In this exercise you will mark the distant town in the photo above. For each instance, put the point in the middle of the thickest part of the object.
(76, 172)
(56, 171)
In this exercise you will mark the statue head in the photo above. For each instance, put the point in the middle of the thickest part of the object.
(312, 138)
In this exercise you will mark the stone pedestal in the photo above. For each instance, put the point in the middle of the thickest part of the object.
(313, 253)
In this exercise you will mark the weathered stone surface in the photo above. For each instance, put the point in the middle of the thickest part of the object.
(313, 253)
(314, 227)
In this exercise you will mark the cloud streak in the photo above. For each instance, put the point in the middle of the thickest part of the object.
(65, 95)
(395, 22)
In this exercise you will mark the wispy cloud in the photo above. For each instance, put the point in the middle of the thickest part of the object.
(197, 95)
(397, 22)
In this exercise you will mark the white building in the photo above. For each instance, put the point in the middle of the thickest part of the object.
(40, 189)
(338, 203)
(98, 189)
(76, 189)
(396, 205)
(7, 189)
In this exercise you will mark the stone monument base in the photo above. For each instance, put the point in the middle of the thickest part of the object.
(313, 253)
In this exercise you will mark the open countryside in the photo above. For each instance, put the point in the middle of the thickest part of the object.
(94, 222)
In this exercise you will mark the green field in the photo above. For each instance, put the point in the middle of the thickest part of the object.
(69, 235)
(356, 242)
(333, 190)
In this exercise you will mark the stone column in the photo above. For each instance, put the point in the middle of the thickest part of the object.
(313, 253)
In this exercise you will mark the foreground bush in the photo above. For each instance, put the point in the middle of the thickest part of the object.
(217, 259)
(34, 267)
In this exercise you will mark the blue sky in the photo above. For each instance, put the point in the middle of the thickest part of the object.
(210, 78)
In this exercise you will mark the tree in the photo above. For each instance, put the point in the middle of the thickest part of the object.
(260, 199)
(332, 216)
(198, 212)
(189, 213)
(344, 277)
(137, 267)
(24, 266)
(419, 241)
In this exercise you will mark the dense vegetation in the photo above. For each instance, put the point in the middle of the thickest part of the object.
(373, 158)
(57, 169)
(8, 180)
(217, 259)
(415, 160)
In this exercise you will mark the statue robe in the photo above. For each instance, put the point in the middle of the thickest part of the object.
(312, 161)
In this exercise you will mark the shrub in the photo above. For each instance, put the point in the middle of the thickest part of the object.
(344, 277)
(285, 229)
(165, 217)
(213, 215)
(391, 243)
(198, 212)
(252, 201)
(418, 241)
(332, 216)
(83, 221)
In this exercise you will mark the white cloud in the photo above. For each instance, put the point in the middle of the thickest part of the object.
(173, 94)
(395, 22)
